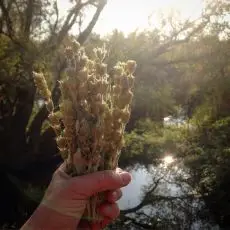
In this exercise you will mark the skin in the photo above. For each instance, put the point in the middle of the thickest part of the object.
(66, 198)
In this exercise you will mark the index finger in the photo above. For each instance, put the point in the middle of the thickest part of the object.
(101, 181)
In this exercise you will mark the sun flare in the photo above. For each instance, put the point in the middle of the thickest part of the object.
(131, 15)
(168, 160)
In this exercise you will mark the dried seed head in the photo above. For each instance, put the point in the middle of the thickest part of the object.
(117, 135)
(76, 62)
(71, 72)
(39, 79)
(82, 140)
(97, 132)
(46, 94)
(117, 113)
(108, 116)
(57, 129)
(100, 53)
(64, 89)
(106, 147)
(64, 153)
(102, 108)
(86, 152)
(68, 133)
(117, 125)
(127, 97)
(97, 87)
(120, 144)
(76, 46)
(90, 65)
(101, 69)
(66, 108)
(84, 128)
(61, 142)
(125, 116)
(72, 85)
(125, 82)
(91, 85)
(94, 86)
(131, 66)
(69, 121)
(69, 52)
(83, 61)
(96, 158)
(104, 86)
(77, 126)
(107, 132)
(118, 70)
(131, 81)
(50, 106)
(41, 85)
(98, 97)
(116, 89)
(55, 118)
(121, 104)
(95, 109)
(83, 91)
(117, 79)
(83, 75)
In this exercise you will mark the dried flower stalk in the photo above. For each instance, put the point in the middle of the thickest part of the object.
(94, 111)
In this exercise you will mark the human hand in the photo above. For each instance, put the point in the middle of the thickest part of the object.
(66, 198)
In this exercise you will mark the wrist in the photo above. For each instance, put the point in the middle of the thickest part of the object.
(48, 219)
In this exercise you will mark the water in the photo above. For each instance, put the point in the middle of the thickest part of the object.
(132, 193)
(175, 203)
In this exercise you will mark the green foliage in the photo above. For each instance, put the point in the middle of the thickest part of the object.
(9, 60)
(149, 141)
(207, 156)
(185, 67)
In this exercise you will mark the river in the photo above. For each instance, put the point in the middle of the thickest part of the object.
(176, 203)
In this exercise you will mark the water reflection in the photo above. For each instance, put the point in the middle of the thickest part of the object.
(160, 198)
(168, 160)
(132, 193)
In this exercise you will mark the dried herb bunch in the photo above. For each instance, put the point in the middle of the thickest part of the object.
(94, 110)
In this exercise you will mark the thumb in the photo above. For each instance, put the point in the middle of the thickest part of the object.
(101, 181)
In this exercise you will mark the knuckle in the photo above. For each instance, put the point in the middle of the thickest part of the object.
(116, 212)
(105, 177)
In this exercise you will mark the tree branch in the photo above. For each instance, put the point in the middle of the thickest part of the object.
(84, 35)
(179, 60)
(139, 224)
(55, 40)
(29, 16)
(21, 16)
(7, 19)
(33, 133)
(57, 17)
(173, 39)
(145, 201)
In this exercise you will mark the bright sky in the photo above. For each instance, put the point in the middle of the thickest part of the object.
(128, 15)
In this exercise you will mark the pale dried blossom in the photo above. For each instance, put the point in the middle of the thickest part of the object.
(94, 110)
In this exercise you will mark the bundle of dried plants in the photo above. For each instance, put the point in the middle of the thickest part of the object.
(93, 112)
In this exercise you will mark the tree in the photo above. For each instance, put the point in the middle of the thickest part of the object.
(175, 66)
(32, 35)
(20, 32)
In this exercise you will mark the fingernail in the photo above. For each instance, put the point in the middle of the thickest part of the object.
(126, 177)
